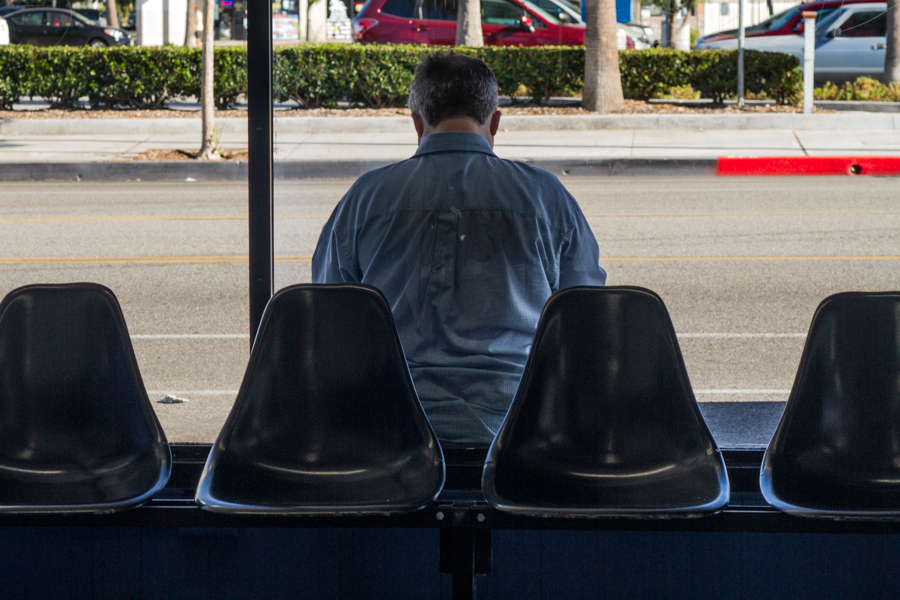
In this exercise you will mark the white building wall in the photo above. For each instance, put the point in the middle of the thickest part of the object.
(161, 22)
(175, 18)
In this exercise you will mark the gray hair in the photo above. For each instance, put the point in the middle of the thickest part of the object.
(448, 85)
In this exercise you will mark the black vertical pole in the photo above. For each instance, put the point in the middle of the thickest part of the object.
(261, 180)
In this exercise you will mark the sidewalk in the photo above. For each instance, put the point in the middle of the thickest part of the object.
(348, 146)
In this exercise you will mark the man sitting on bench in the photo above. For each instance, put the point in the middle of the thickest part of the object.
(465, 246)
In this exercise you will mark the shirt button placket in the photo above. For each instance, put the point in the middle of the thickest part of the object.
(446, 248)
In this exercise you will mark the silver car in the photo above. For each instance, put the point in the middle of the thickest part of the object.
(850, 43)
(853, 44)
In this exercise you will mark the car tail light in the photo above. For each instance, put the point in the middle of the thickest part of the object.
(629, 43)
(360, 26)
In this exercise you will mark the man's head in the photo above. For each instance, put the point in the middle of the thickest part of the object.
(453, 92)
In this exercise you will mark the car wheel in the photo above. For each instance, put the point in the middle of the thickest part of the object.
(98, 44)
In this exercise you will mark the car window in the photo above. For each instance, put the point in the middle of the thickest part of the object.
(554, 9)
(438, 10)
(863, 24)
(85, 21)
(30, 18)
(542, 14)
(399, 8)
(779, 21)
(821, 15)
(824, 24)
(500, 12)
(547, 15)
(58, 19)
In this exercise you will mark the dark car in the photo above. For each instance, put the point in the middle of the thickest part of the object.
(433, 22)
(60, 27)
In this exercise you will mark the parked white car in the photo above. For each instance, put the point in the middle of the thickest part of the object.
(4, 32)
(850, 43)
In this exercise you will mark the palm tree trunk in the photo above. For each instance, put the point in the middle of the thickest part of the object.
(112, 14)
(468, 24)
(892, 41)
(602, 81)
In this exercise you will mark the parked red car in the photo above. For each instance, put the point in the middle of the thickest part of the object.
(784, 23)
(433, 22)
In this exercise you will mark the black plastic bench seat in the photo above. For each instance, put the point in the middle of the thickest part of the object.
(327, 420)
(836, 451)
(77, 431)
(604, 422)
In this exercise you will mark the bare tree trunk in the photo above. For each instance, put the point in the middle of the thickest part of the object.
(668, 26)
(468, 24)
(602, 81)
(112, 14)
(190, 28)
(209, 149)
(892, 41)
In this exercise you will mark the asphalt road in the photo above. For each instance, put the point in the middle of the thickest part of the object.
(741, 264)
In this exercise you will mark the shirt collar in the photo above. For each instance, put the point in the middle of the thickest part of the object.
(453, 141)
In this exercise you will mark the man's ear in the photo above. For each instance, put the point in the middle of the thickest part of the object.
(419, 122)
(495, 122)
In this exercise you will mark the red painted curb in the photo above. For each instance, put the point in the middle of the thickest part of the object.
(809, 165)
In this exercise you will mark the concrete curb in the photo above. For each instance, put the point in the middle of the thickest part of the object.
(784, 121)
(237, 170)
(857, 105)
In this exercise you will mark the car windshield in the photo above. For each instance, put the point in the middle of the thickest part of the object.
(826, 23)
(782, 19)
(547, 17)
(570, 5)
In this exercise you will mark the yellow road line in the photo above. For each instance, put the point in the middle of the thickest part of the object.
(138, 218)
(747, 214)
(101, 219)
(106, 260)
(740, 258)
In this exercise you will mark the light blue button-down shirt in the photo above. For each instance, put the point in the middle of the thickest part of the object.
(467, 248)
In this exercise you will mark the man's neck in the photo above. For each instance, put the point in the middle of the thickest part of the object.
(487, 130)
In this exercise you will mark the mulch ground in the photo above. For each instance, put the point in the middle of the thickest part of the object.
(168, 155)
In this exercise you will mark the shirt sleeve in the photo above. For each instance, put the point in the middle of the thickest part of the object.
(329, 263)
(580, 256)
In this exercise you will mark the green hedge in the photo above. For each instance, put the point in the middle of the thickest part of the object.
(314, 75)
(650, 73)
